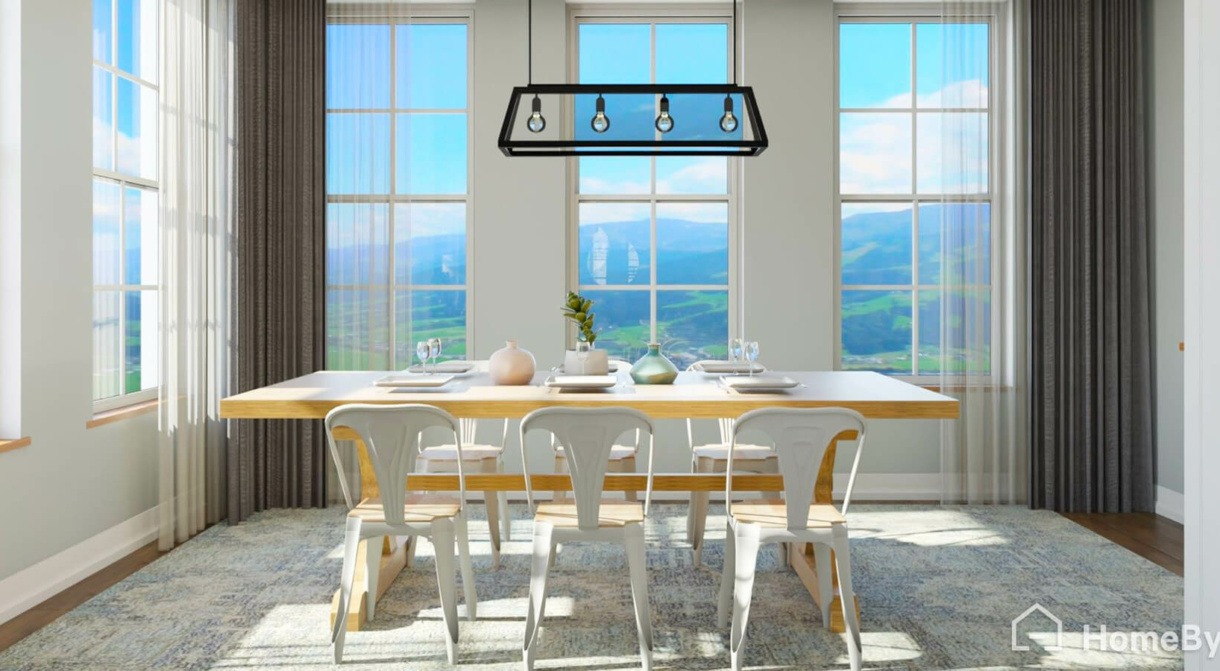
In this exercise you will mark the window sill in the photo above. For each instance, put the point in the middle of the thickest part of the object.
(966, 387)
(7, 445)
(120, 414)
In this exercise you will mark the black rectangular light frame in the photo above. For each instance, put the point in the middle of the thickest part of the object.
(573, 147)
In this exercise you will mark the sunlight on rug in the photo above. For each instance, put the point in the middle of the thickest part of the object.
(939, 587)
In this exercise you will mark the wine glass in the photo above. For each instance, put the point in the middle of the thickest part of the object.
(423, 350)
(434, 348)
(582, 355)
(736, 347)
(752, 354)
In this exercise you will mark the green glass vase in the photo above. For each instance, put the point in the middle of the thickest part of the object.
(654, 368)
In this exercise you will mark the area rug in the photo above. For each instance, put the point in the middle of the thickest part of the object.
(939, 587)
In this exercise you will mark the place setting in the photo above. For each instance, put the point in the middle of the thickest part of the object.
(425, 376)
(743, 374)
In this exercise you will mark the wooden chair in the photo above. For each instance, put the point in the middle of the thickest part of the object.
(588, 434)
(714, 458)
(477, 458)
(391, 437)
(801, 437)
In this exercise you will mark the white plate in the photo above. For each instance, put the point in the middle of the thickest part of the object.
(581, 381)
(759, 382)
(409, 380)
(731, 367)
(615, 366)
(455, 367)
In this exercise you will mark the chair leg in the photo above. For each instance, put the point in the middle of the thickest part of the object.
(744, 563)
(561, 466)
(506, 518)
(491, 501)
(409, 551)
(443, 534)
(543, 548)
(847, 595)
(698, 514)
(351, 544)
(821, 557)
(372, 571)
(637, 563)
(467, 566)
(725, 599)
(627, 465)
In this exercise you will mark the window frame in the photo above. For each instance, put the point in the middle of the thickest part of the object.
(396, 15)
(593, 14)
(995, 196)
(124, 182)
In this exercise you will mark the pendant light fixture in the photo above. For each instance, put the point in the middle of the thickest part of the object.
(725, 135)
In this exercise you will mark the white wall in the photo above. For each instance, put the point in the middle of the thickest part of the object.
(70, 484)
(1201, 248)
(1164, 31)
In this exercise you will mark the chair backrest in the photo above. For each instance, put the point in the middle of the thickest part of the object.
(587, 435)
(470, 429)
(801, 437)
(390, 434)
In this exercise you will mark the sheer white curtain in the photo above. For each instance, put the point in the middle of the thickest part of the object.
(196, 230)
(980, 299)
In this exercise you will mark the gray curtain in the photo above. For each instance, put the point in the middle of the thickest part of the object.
(1091, 423)
(279, 289)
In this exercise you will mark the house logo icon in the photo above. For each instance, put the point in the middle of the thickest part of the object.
(1045, 614)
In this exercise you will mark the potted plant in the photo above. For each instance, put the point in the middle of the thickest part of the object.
(584, 360)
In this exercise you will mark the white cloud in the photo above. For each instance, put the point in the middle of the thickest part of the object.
(707, 174)
(875, 148)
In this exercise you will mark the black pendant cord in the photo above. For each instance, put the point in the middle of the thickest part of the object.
(736, 65)
(529, 76)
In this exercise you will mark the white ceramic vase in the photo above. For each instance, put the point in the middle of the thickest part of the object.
(511, 365)
(586, 361)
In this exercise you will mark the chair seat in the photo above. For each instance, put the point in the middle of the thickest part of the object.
(773, 514)
(469, 452)
(613, 513)
(720, 451)
(617, 452)
(417, 508)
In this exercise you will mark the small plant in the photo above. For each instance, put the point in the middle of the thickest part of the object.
(577, 308)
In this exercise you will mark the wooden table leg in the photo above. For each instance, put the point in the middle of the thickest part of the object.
(393, 556)
(800, 555)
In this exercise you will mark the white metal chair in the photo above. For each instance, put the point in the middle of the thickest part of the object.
(477, 458)
(589, 435)
(391, 437)
(713, 458)
(801, 437)
(622, 455)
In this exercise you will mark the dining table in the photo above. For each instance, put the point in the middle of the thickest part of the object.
(693, 395)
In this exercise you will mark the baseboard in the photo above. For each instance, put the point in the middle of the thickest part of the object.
(1170, 504)
(31, 586)
(869, 487)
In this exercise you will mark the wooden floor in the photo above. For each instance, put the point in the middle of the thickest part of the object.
(1154, 538)
(48, 611)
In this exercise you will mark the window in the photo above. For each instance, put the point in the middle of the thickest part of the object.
(125, 201)
(915, 188)
(654, 234)
(398, 189)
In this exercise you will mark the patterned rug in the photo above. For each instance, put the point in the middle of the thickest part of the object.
(939, 587)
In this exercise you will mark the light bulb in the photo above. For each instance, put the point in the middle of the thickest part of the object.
(600, 122)
(728, 122)
(665, 123)
(536, 123)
